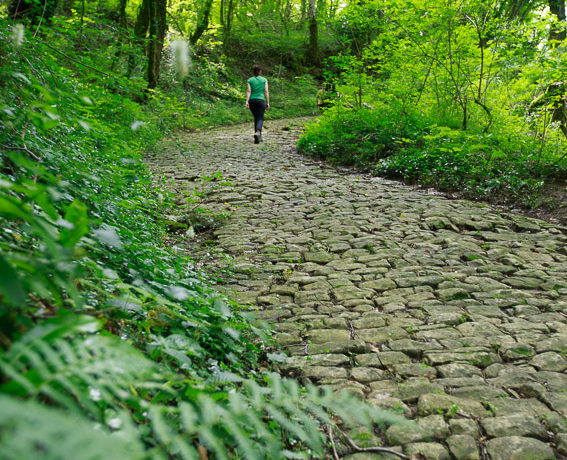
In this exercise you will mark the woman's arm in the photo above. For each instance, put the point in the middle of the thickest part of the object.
(248, 92)
(267, 94)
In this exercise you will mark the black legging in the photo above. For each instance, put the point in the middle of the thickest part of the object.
(257, 107)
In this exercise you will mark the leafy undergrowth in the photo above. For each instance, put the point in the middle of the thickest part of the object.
(110, 344)
(501, 168)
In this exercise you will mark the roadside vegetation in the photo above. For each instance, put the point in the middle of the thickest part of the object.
(465, 97)
(111, 342)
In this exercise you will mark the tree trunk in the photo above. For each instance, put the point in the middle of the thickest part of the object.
(157, 29)
(228, 22)
(202, 22)
(313, 51)
(143, 20)
(557, 7)
(140, 32)
(122, 14)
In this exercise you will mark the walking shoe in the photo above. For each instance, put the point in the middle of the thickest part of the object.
(260, 138)
(257, 138)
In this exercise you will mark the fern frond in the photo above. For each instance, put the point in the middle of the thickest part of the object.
(30, 430)
(97, 376)
(68, 370)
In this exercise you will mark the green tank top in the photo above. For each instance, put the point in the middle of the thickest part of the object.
(257, 84)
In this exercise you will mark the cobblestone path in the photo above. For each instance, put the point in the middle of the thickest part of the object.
(448, 311)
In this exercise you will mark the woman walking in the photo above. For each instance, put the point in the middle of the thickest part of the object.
(257, 100)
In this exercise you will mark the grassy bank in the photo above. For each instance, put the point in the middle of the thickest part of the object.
(503, 167)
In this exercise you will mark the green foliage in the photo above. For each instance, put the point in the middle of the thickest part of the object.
(32, 430)
(139, 402)
(356, 137)
(465, 98)
(109, 339)
(478, 165)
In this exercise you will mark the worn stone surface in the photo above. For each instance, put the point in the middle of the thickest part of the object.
(463, 447)
(518, 448)
(446, 311)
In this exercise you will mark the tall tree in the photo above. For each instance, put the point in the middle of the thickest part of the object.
(313, 51)
(157, 29)
(203, 15)
(122, 13)
(557, 32)
(151, 24)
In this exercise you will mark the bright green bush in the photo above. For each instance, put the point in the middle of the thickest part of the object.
(356, 137)
(497, 167)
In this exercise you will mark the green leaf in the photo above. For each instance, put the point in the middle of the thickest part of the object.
(10, 284)
(76, 215)
(108, 236)
(13, 209)
(29, 430)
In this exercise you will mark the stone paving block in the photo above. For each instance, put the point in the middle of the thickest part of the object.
(557, 401)
(480, 392)
(561, 443)
(508, 406)
(413, 348)
(519, 448)
(516, 351)
(339, 346)
(392, 404)
(455, 383)
(374, 456)
(554, 381)
(402, 434)
(439, 333)
(366, 374)
(466, 427)
(458, 370)
(549, 361)
(329, 323)
(323, 286)
(415, 370)
(285, 338)
(450, 406)
(311, 296)
(318, 257)
(463, 447)
(514, 425)
(428, 450)
(379, 285)
(369, 322)
(435, 427)
(480, 358)
(328, 335)
(382, 359)
(382, 334)
(325, 372)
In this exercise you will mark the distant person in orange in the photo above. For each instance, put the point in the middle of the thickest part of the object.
(257, 100)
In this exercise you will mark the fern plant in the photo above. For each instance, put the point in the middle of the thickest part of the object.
(94, 377)
(31, 430)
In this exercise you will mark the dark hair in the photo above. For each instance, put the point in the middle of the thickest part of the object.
(257, 70)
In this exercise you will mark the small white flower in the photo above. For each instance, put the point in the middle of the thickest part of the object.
(95, 394)
(115, 423)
